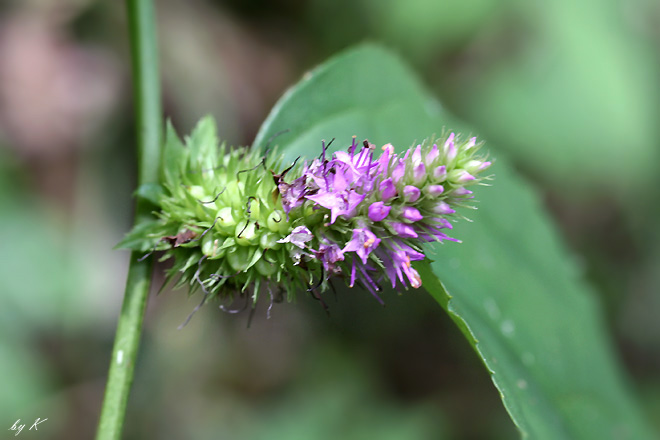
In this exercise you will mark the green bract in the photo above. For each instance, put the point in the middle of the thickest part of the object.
(219, 217)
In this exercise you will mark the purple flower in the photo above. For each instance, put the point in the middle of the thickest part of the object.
(442, 223)
(461, 192)
(412, 214)
(360, 189)
(339, 204)
(384, 160)
(419, 173)
(417, 155)
(443, 208)
(292, 194)
(435, 190)
(450, 148)
(397, 261)
(329, 253)
(410, 193)
(298, 237)
(440, 173)
(404, 230)
(378, 211)
(387, 189)
(399, 171)
(432, 155)
(464, 176)
(363, 243)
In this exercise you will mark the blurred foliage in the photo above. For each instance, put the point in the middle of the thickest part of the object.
(569, 89)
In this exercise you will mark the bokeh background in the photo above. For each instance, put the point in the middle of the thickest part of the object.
(568, 88)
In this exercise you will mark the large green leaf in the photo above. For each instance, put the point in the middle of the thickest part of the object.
(516, 293)
(366, 93)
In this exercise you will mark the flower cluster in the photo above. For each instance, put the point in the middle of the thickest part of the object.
(232, 224)
(374, 213)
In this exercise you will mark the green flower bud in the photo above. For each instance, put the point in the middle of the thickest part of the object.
(265, 268)
(238, 258)
(269, 241)
(225, 219)
(246, 232)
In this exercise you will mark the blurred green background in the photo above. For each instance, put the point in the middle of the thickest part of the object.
(568, 88)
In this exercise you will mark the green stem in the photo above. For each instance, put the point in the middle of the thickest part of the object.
(144, 56)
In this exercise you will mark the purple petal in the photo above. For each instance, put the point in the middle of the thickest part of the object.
(384, 159)
(442, 223)
(352, 283)
(387, 189)
(419, 173)
(411, 193)
(329, 253)
(417, 155)
(413, 276)
(432, 154)
(298, 237)
(443, 208)
(412, 214)
(461, 192)
(340, 183)
(378, 211)
(450, 148)
(292, 194)
(440, 173)
(363, 243)
(404, 230)
(352, 201)
(465, 177)
(399, 171)
(435, 190)
(326, 199)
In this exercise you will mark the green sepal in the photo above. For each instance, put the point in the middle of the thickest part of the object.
(173, 158)
(143, 237)
(151, 192)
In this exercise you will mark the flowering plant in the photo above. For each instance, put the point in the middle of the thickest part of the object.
(232, 224)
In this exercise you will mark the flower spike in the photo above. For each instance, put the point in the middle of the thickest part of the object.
(232, 224)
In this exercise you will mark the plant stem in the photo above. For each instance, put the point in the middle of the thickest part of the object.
(144, 57)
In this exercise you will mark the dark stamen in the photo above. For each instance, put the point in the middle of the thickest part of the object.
(290, 168)
(207, 230)
(324, 148)
(214, 199)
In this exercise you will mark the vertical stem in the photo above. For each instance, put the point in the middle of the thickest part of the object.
(144, 57)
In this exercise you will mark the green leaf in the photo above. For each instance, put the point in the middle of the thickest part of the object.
(515, 292)
(367, 93)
